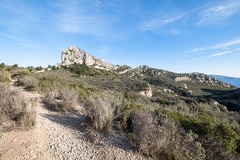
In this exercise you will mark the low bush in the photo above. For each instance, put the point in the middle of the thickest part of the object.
(68, 100)
(29, 81)
(5, 77)
(82, 92)
(100, 111)
(79, 69)
(159, 137)
(2, 66)
(15, 109)
(205, 125)
(51, 85)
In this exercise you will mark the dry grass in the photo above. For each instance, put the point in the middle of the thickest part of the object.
(69, 99)
(15, 109)
(5, 77)
(64, 100)
(58, 94)
(100, 112)
(29, 81)
(160, 138)
(150, 133)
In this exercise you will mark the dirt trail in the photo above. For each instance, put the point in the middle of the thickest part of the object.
(59, 136)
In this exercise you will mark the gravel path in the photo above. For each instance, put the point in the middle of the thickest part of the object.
(62, 136)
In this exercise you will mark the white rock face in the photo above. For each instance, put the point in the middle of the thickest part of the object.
(147, 92)
(166, 90)
(178, 79)
(76, 55)
(208, 79)
(185, 86)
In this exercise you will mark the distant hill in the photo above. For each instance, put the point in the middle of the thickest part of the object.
(231, 80)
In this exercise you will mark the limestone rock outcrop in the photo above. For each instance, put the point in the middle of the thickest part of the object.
(200, 77)
(178, 79)
(147, 92)
(76, 55)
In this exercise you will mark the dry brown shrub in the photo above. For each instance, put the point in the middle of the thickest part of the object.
(64, 100)
(29, 82)
(100, 112)
(15, 109)
(69, 99)
(151, 133)
(160, 138)
(5, 77)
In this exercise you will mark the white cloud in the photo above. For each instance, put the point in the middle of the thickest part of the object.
(159, 21)
(213, 55)
(208, 13)
(22, 41)
(217, 46)
(216, 14)
(13, 37)
(83, 18)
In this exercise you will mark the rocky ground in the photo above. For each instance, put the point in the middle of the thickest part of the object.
(63, 136)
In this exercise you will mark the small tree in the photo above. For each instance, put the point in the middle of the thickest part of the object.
(2, 66)
(30, 68)
(54, 67)
(15, 66)
(39, 68)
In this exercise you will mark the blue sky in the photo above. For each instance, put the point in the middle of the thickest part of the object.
(180, 36)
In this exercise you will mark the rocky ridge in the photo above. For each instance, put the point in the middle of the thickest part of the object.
(76, 55)
(209, 79)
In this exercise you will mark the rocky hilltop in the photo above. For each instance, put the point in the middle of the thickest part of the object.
(76, 55)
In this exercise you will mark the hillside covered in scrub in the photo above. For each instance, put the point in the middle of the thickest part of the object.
(164, 115)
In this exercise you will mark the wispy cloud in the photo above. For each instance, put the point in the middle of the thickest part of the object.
(16, 38)
(159, 22)
(81, 18)
(218, 13)
(213, 55)
(217, 46)
(208, 13)
(22, 41)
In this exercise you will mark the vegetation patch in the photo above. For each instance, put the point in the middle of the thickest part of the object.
(5, 77)
(15, 109)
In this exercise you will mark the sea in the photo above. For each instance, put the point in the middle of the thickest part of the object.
(231, 80)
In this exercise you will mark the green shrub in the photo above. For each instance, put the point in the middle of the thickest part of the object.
(82, 92)
(201, 124)
(39, 68)
(79, 69)
(51, 85)
(15, 66)
(227, 135)
(2, 66)
(204, 125)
